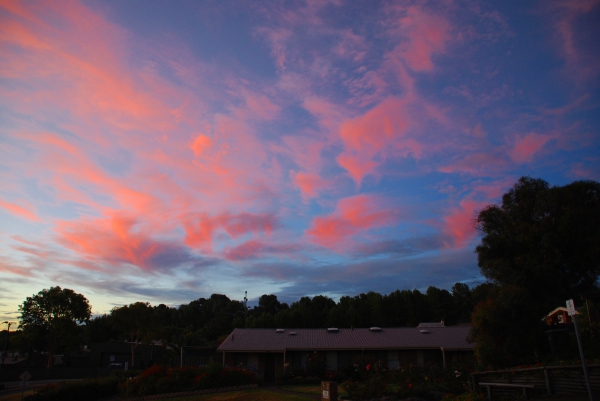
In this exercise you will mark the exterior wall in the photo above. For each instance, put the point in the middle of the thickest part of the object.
(558, 317)
(278, 366)
(340, 360)
(229, 358)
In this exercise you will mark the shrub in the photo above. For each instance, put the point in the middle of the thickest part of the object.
(316, 365)
(161, 380)
(89, 389)
(372, 380)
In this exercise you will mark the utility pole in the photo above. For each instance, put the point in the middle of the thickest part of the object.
(573, 313)
(245, 305)
(5, 343)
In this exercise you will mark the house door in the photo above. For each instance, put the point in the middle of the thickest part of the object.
(269, 368)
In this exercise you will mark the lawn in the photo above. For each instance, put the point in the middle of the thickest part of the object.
(307, 388)
(15, 396)
(246, 395)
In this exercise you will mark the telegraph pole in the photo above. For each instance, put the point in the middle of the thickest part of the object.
(573, 313)
(5, 343)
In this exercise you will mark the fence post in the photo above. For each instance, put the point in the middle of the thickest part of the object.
(548, 384)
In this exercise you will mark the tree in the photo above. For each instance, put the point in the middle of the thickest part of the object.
(54, 314)
(506, 329)
(137, 323)
(543, 239)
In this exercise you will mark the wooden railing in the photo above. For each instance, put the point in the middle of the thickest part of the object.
(561, 379)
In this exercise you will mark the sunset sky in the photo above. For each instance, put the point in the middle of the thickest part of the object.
(162, 151)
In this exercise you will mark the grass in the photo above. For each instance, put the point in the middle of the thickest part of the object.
(15, 396)
(246, 395)
(307, 388)
(302, 388)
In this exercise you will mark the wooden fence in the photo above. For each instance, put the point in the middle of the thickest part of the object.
(563, 380)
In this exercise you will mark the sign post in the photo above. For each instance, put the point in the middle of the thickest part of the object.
(24, 376)
(573, 313)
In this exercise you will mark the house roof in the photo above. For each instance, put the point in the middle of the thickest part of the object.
(433, 324)
(272, 340)
(559, 309)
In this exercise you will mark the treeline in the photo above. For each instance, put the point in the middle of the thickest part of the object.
(206, 320)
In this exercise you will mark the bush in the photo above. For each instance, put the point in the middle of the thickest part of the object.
(372, 380)
(89, 389)
(123, 375)
(161, 380)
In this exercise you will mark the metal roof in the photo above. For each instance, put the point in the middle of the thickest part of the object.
(269, 340)
(434, 324)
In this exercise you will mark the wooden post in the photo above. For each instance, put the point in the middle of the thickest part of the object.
(548, 384)
(329, 391)
(443, 358)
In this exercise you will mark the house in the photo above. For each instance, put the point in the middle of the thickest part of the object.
(117, 355)
(560, 333)
(558, 316)
(266, 351)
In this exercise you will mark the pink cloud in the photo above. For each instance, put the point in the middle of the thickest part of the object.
(421, 35)
(200, 144)
(570, 28)
(356, 166)
(309, 184)
(353, 216)
(477, 163)
(7, 266)
(328, 114)
(112, 239)
(526, 146)
(304, 152)
(260, 106)
(460, 223)
(254, 249)
(381, 132)
(200, 228)
(21, 211)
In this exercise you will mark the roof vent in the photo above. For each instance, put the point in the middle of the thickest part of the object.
(293, 333)
(375, 328)
(280, 330)
(424, 331)
(333, 330)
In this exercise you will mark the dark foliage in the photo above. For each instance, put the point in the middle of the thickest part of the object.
(540, 247)
(543, 239)
(91, 389)
(51, 318)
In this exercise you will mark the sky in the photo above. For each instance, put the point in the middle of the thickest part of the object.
(162, 151)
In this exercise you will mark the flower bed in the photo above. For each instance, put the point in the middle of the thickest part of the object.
(161, 380)
(372, 380)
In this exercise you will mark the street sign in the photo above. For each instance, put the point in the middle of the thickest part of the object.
(571, 307)
(25, 376)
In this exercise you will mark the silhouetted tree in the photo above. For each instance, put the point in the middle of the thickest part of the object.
(543, 239)
(137, 324)
(54, 314)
